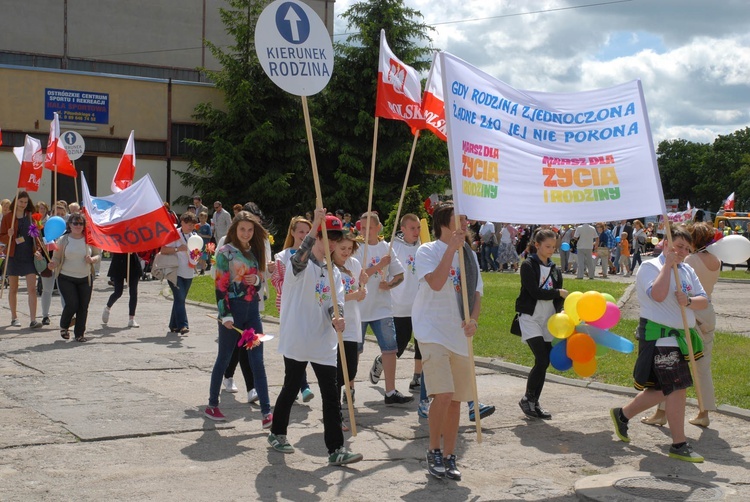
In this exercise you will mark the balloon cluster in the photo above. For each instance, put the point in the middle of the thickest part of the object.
(583, 330)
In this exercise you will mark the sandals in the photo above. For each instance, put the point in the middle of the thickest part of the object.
(81, 339)
(184, 331)
(64, 334)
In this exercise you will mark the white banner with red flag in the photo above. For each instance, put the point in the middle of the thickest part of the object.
(126, 168)
(399, 89)
(31, 158)
(57, 156)
(729, 203)
(533, 157)
(433, 104)
(129, 221)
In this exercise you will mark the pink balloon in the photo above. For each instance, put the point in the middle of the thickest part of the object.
(609, 319)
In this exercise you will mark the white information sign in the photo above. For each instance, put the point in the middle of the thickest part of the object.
(294, 47)
(73, 144)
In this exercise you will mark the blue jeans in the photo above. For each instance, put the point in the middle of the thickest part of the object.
(246, 316)
(489, 253)
(178, 319)
(385, 332)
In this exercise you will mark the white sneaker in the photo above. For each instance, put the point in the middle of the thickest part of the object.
(252, 396)
(133, 324)
(229, 385)
(105, 315)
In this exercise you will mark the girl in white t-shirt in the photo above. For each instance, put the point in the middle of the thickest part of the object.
(353, 279)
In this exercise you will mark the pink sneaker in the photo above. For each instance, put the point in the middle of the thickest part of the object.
(214, 413)
(267, 421)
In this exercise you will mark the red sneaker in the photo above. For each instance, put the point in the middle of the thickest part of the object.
(214, 413)
(267, 421)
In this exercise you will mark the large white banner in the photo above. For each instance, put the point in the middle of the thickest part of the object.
(534, 157)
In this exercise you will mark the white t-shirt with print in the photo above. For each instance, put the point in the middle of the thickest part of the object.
(306, 333)
(184, 269)
(402, 296)
(352, 316)
(435, 315)
(377, 303)
(666, 312)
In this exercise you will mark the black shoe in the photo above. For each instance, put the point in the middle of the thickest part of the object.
(45, 321)
(621, 428)
(541, 412)
(451, 471)
(415, 383)
(528, 407)
(398, 398)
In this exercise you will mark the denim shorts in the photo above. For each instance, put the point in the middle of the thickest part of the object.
(385, 332)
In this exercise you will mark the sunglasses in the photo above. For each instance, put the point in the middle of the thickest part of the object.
(76, 223)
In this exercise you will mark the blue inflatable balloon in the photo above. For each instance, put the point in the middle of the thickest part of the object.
(559, 357)
(53, 229)
(565, 246)
(618, 238)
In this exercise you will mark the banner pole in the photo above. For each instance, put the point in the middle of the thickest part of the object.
(469, 340)
(403, 193)
(686, 326)
(329, 265)
(369, 195)
(10, 237)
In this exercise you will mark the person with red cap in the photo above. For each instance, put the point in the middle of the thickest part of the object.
(309, 327)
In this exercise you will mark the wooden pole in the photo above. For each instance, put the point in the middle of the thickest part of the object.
(10, 238)
(369, 196)
(329, 265)
(403, 193)
(691, 353)
(470, 340)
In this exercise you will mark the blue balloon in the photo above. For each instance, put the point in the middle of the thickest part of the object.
(565, 246)
(54, 228)
(618, 238)
(559, 357)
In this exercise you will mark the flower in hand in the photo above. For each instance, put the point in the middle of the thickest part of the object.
(249, 339)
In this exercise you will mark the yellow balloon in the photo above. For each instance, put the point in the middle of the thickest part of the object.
(560, 325)
(654, 240)
(591, 306)
(424, 231)
(571, 301)
(586, 369)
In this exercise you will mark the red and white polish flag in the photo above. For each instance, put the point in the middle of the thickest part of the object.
(31, 158)
(130, 221)
(729, 203)
(56, 153)
(126, 168)
(433, 104)
(399, 89)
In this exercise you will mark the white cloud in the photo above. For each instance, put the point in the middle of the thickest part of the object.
(692, 56)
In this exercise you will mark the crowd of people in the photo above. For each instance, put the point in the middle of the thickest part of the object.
(405, 291)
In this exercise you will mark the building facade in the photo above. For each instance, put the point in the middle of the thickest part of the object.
(109, 67)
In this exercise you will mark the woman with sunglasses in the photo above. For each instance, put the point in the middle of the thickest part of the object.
(73, 263)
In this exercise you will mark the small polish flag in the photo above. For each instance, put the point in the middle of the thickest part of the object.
(433, 105)
(126, 168)
(729, 203)
(31, 158)
(57, 156)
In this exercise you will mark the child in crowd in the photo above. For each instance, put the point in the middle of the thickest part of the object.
(309, 329)
(624, 246)
(384, 273)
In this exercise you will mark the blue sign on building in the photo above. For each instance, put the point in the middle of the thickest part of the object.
(76, 106)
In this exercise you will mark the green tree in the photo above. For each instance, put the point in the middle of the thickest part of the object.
(347, 106)
(254, 146)
(413, 203)
(679, 163)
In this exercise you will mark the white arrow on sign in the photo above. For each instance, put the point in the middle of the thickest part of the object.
(294, 20)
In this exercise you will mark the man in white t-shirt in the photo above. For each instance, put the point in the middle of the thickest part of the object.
(442, 333)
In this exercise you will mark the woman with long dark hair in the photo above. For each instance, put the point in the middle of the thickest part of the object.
(19, 251)
(240, 266)
(540, 298)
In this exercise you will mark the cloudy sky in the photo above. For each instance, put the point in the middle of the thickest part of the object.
(693, 56)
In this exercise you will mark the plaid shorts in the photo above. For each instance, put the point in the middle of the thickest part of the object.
(671, 371)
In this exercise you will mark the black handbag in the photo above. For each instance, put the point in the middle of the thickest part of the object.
(515, 326)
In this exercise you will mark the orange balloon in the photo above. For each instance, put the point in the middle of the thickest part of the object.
(581, 348)
(586, 369)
